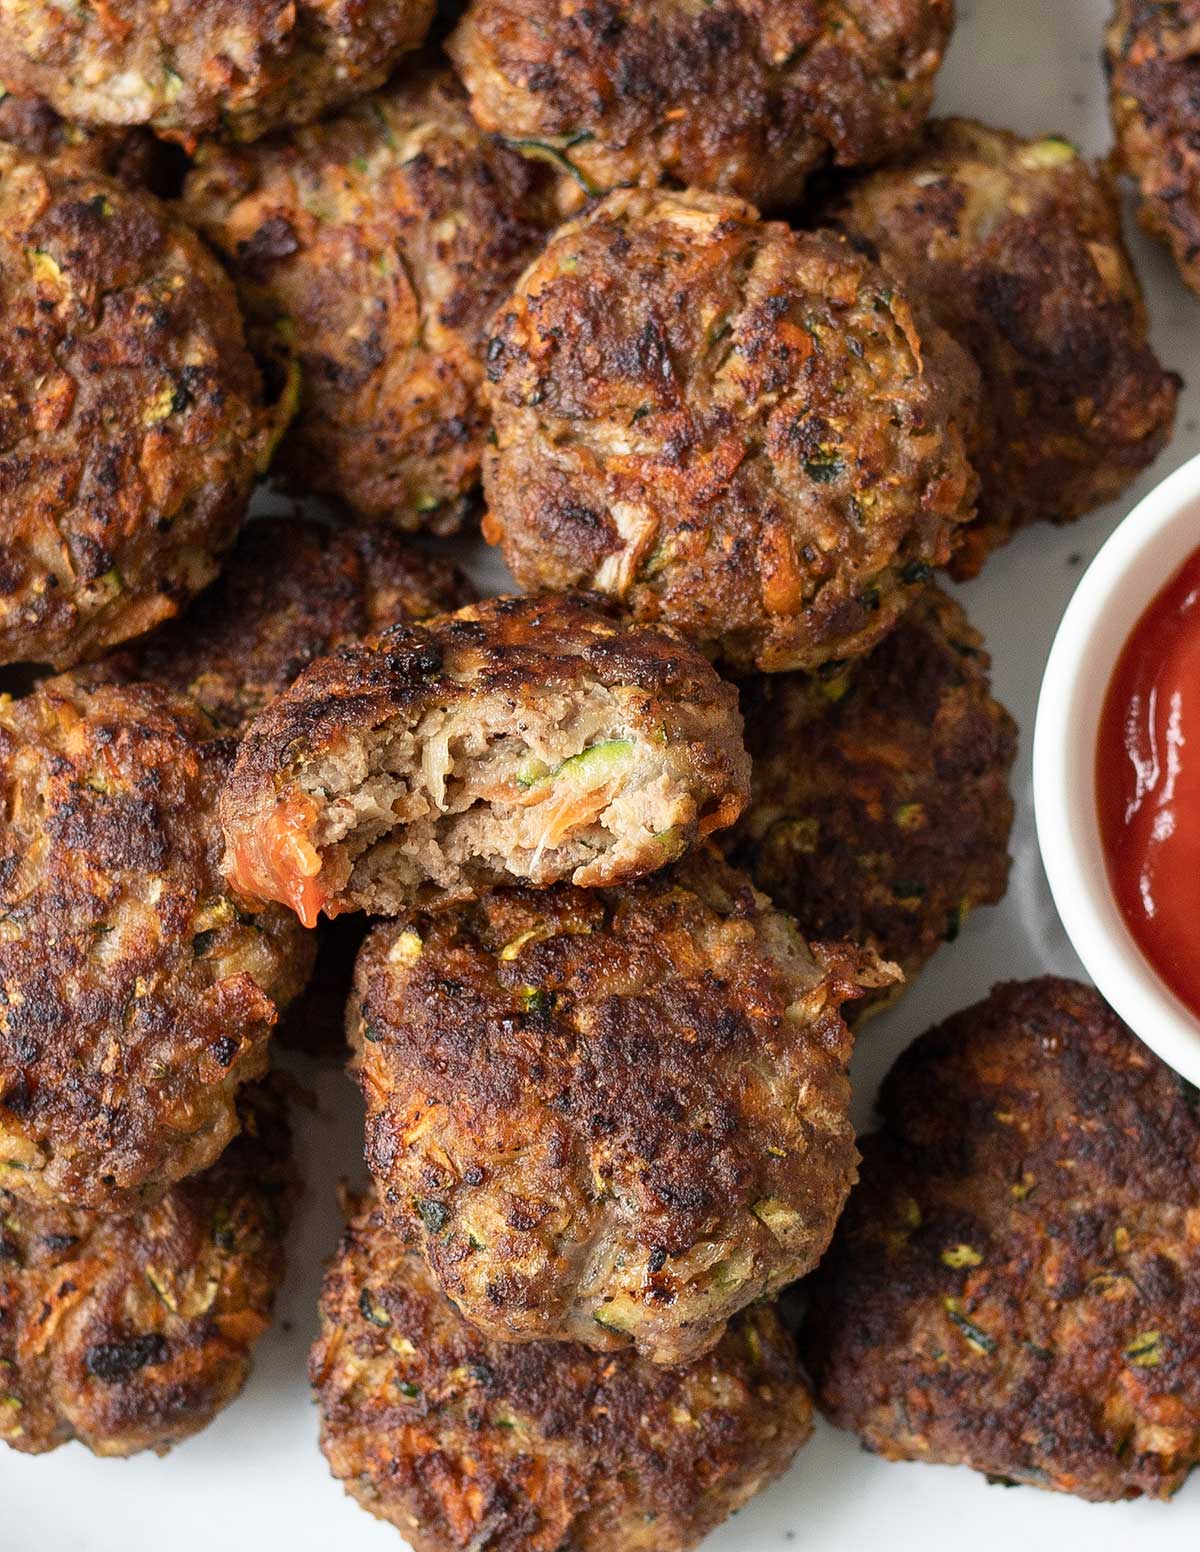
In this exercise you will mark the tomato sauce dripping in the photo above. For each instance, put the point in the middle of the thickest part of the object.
(1148, 783)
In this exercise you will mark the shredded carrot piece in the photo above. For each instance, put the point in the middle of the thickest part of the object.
(279, 862)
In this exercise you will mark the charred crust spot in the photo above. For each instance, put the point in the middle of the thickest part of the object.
(116, 1362)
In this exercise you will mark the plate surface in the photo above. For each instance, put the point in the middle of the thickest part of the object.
(255, 1479)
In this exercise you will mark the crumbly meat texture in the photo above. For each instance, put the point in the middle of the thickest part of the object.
(1153, 58)
(131, 415)
(291, 591)
(461, 1442)
(185, 68)
(139, 992)
(1016, 247)
(880, 808)
(515, 740)
(1014, 1283)
(734, 428)
(130, 1333)
(369, 252)
(615, 1117)
(130, 156)
(739, 97)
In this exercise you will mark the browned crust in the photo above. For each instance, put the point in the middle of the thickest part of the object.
(737, 429)
(613, 1116)
(132, 1333)
(1016, 246)
(139, 994)
(193, 67)
(129, 155)
(1153, 57)
(369, 252)
(1013, 1285)
(457, 1440)
(741, 98)
(291, 591)
(516, 647)
(880, 808)
(131, 419)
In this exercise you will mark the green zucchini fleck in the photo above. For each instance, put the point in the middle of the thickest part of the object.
(976, 1338)
(544, 151)
(589, 766)
(434, 1214)
(369, 1310)
(1146, 1350)
(825, 468)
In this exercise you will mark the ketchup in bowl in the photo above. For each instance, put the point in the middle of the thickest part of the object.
(1148, 783)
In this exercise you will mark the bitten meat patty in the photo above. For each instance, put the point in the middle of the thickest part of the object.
(880, 809)
(519, 739)
(131, 417)
(138, 992)
(292, 590)
(31, 124)
(131, 1333)
(1016, 247)
(461, 1442)
(369, 251)
(615, 1117)
(201, 67)
(1154, 66)
(745, 98)
(1015, 1285)
(729, 426)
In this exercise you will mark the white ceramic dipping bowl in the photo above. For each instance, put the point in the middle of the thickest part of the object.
(1138, 561)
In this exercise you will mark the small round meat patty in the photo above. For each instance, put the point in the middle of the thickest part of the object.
(614, 1117)
(369, 251)
(131, 416)
(461, 1442)
(292, 590)
(734, 428)
(519, 739)
(1154, 65)
(131, 1333)
(139, 993)
(1015, 1284)
(743, 98)
(1016, 247)
(880, 808)
(31, 124)
(199, 67)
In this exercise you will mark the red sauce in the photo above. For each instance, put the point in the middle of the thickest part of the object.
(1148, 783)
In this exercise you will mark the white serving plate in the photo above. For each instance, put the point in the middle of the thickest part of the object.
(255, 1479)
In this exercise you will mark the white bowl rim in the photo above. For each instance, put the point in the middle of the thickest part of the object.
(1135, 564)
